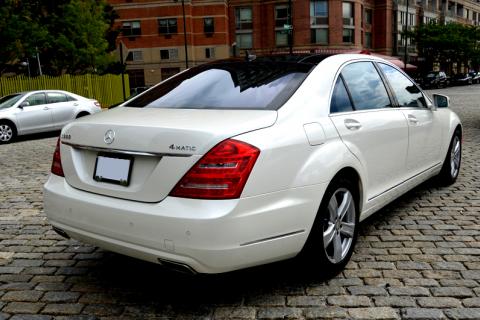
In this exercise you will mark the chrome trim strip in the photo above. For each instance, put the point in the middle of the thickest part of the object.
(412, 177)
(128, 152)
(272, 238)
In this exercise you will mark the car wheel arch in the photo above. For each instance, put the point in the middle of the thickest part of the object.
(82, 114)
(10, 122)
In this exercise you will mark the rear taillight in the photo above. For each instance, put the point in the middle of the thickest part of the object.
(57, 161)
(220, 174)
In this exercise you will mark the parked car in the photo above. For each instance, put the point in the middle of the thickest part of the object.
(461, 79)
(239, 163)
(40, 111)
(475, 76)
(435, 79)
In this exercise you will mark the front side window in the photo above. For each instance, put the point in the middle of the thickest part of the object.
(131, 28)
(340, 99)
(406, 92)
(10, 100)
(365, 86)
(234, 85)
(36, 99)
(167, 26)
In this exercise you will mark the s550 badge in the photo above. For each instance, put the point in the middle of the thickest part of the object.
(175, 147)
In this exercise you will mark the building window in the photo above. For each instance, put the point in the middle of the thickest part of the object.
(368, 16)
(281, 16)
(348, 35)
(209, 53)
(319, 22)
(168, 72)
(243, 25)
(348, 14)
(368, 40)
(131, 28)
(318, 13)
(208, 25)
(136, 78)
(136, 55)
(281, 38)
(169, 54)
(167, 26)
(319, 35)
(243, 18)
(281, 19)
(244, 40)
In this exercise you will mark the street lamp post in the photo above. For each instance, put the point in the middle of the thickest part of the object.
(406, 37)
(184, 32)
(290, 22)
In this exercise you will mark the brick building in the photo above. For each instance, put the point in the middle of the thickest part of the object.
(153, 40)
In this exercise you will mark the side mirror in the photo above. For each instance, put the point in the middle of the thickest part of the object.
(24, 104)
(441, 101)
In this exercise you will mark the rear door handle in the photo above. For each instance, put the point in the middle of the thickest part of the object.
(352, 124)
(412, 119)
(46, 108)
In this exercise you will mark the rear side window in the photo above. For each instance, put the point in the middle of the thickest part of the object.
(340, 99)
(55, 97)
(406, 92)
(228, 85)
(365, 86)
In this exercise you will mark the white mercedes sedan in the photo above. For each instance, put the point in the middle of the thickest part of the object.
(239, 163)
(41, 111)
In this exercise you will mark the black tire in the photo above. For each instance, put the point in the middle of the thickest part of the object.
(8, 132)
(451, 166)
(322, 258)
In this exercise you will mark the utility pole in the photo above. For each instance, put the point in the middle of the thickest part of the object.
(407, 16)
(38, 61)
(123, 72)
(185, 33)
(290, 22)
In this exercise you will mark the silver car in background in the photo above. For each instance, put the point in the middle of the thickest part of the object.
(40, 111)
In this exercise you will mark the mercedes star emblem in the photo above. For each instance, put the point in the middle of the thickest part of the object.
(109, 136)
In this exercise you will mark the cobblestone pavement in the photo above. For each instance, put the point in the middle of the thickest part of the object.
(419, 258)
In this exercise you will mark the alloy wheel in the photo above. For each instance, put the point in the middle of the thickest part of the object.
(455, 154)
(6, 133)
(339, 227)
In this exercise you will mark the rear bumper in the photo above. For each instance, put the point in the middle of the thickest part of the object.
(208, 236)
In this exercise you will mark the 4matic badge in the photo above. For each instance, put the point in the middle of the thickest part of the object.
(175, 147)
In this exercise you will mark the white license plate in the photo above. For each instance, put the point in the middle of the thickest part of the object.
(113, 169)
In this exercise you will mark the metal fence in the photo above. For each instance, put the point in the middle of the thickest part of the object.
(107, 89)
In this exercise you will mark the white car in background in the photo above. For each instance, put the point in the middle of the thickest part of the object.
(40, 111)
(238, 163)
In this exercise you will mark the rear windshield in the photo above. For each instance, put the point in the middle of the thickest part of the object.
(228, 85)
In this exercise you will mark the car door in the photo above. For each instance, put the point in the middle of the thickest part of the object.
(424, 129)
(63, 108)
(36, 116)
(374, 132)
